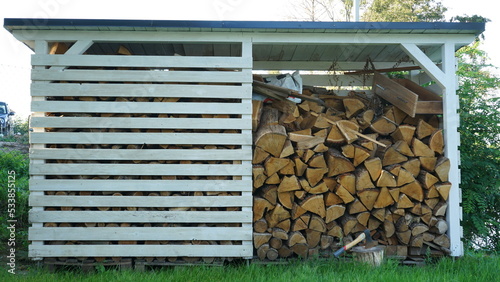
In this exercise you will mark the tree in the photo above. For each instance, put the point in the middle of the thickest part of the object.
(404, 11)
(480, 148)
(324, 10)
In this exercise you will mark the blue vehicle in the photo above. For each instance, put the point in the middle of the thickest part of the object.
(6, 121)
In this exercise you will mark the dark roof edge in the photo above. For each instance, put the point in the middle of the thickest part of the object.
(476, 28)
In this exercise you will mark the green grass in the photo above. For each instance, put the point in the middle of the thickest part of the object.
(468, 268)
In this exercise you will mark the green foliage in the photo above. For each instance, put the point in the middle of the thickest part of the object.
(19, 163)
(480, 149)
(475, 267)
(21, 126)
(20, 130)
(470, 19)
(404, 11)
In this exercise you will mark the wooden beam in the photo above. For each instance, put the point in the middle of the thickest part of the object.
(421, 58)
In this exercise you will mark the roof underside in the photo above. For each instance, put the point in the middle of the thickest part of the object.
(291, 51)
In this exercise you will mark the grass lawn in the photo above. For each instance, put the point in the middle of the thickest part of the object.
(471, 267)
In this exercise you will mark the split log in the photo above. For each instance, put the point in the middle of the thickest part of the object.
(270, 136)
(442, 168)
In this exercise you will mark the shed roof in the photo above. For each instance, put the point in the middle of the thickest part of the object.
(277, 44)
(245, 26)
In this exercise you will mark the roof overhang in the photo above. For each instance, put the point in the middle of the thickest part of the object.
(245, 26)
(280, 44)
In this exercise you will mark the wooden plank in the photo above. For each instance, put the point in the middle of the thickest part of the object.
(140, 138)
(142, 216)
(395, 93)
(140, 107)
(429, 107)
(138, 154)
(140, 201)
(145, 185)
(161, 123)
(41, 47)
(138, 90)
(140, 250)
(142, 76)
(135, 36)
(140, 61)
(427, 64)
(141, 169)
(138, 233)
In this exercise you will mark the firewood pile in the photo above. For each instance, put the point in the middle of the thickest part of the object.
(330, 167)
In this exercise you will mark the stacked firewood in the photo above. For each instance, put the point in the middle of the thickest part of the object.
(330, 167)
(59, 48)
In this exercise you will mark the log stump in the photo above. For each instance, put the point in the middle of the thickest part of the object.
(373, 256)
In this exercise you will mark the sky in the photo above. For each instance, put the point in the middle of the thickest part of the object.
(15, 57)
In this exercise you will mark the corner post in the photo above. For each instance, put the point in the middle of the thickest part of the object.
(451, 120)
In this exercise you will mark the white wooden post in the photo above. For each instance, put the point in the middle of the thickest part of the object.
(246, 54)
(41, 47)
(451, 122)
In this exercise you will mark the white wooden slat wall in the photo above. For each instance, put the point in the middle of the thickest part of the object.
(199, 194)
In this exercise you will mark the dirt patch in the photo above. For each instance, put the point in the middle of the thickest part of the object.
(14, 146)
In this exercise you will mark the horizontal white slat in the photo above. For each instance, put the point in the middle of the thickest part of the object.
(141, 185)
(139, 90)
(141, 169)
(140, 61)
(138, 154)
(139, 107)
(143, 123)
(138, 233)
(140, 250)
(142, 76)
(142, 216)
(139, 201)
(140, 138)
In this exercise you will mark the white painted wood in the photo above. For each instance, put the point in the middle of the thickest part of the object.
(140, 169)
(144, 123)
(140, 138)
(247, 53)
(139, 107)
(451, 122)
(140, 76)
(141, 201)
(41, 47)
(39, 185)
(137, 90)
(355, 38)
(78, 48)
(142, 216)
(129, 36)
(141, 250)
(138, 233)
(256, 37)
(421, 58)
(140, 61)
(145, 154)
